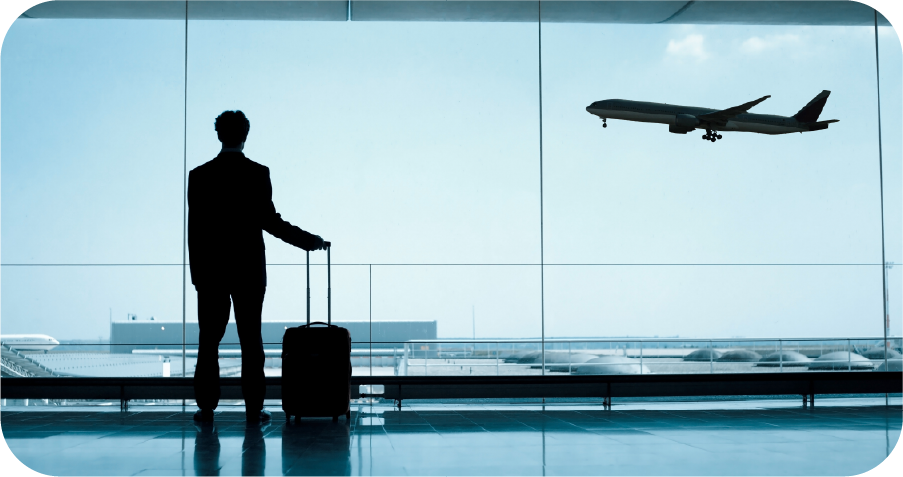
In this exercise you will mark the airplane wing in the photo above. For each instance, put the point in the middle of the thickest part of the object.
(721, 117)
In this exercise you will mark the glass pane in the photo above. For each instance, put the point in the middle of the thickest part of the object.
(467, 302)
(78, 309)
(475, 316)
(92, 141)
(713, 301)
(635, 193)
(400, 142)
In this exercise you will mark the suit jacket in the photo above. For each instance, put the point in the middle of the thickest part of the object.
(230, 204)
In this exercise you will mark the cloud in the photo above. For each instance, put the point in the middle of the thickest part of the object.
(756, 44)
(691, 47)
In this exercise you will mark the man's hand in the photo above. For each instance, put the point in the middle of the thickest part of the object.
(319, 244)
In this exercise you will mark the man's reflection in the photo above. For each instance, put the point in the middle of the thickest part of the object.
(316, 447)
(207, 450)
(253, 451)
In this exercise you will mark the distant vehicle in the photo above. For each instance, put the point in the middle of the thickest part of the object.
(683, 119)
(29, 342)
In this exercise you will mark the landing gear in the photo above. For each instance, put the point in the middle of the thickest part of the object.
(711, 135)
(604, 124)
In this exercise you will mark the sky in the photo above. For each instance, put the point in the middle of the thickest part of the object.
(415, 149)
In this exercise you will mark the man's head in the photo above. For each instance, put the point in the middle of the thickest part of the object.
(232, 128)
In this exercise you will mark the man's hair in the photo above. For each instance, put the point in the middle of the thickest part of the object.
(232, 128)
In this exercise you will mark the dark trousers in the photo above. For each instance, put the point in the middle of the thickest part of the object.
(213, 315)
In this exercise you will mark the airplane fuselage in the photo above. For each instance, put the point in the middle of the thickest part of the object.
(30, 342)
(682, 119)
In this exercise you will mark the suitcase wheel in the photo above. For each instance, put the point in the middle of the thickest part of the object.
(348, 416)
(288, 417)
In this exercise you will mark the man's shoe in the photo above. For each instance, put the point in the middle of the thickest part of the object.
(258, 417)
(204, 415)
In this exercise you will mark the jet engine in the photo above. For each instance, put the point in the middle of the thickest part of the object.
(683, 123)
(686, 121)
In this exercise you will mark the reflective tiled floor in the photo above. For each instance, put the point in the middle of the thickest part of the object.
(747, 438)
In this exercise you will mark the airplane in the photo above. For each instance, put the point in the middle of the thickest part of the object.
(29, 342)
(683, 119)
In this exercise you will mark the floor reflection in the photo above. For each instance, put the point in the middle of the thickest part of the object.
(207, 449)
(467, 440)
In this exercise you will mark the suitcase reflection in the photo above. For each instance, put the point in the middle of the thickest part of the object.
(316, 447)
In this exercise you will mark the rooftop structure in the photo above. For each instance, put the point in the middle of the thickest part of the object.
(632, 12)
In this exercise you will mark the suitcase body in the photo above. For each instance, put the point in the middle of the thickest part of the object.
(316, 365)
(316, 371)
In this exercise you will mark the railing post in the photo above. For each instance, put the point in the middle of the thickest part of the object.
(569, 357)
(711, 358)
(641, 357)
(781, 355)
(496, 358)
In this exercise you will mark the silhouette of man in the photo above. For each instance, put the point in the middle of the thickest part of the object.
(229, 205)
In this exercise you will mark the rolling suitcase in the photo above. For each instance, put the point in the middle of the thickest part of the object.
(316, 364)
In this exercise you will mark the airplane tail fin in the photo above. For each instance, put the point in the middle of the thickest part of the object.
(811, 111)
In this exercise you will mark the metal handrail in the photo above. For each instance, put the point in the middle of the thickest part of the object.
(626, 340)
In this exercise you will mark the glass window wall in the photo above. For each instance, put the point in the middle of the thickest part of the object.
(480, 215)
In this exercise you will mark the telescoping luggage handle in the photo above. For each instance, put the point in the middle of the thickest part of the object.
(328, 246)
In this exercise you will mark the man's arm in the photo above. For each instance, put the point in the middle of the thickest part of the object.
(195, 247)
(192, 217)
(273, 223)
